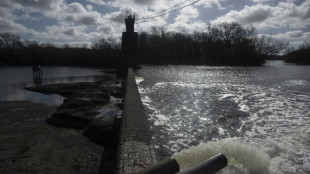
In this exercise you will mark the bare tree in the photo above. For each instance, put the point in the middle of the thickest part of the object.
(31, 44)
(103, 43)
(9, 40)
(269, 46)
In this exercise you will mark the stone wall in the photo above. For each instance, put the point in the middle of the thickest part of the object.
(135, 148)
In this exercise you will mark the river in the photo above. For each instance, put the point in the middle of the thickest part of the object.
(259, 117)
(14, 79)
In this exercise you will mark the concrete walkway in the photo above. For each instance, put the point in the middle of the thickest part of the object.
(135, 149)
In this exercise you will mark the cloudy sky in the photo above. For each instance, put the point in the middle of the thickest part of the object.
(79, 22)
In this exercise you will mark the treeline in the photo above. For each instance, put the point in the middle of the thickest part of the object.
(299, 56)
(14, 52)
(223, 44)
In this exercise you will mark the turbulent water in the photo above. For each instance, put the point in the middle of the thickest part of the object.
(259, 117)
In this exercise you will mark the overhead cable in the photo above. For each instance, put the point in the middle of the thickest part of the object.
(171, 11)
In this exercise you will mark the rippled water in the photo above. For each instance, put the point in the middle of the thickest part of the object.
(14, 79)
(257, 116)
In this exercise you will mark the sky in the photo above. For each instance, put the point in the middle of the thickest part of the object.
(80, 22)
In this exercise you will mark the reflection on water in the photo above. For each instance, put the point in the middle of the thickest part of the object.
(14, 79)
(258, 116)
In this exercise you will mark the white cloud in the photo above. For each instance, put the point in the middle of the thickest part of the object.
(99, 2)
(248, 15)
(188, 27)
(7, 25)
(187, 13)
(89, 7)
(210, 3)
(286, 14)
(294, 37)
(76, 8)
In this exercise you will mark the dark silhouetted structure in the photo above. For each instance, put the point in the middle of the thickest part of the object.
(36, 71)
(37, 74)
(129, 55)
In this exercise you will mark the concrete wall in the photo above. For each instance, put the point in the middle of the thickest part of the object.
(135, 149)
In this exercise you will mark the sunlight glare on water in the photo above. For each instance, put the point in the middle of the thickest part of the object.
(258, 116)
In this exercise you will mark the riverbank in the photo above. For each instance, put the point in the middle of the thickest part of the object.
(77, 133)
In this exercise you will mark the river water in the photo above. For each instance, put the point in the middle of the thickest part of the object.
(259, 117)
(14, 79)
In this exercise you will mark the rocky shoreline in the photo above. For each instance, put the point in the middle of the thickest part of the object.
(91, 110)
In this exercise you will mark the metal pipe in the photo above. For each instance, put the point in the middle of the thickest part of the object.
(166, 166)
(171, 166)
(208, 166)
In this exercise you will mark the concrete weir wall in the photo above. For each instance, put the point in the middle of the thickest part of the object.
(135, 148)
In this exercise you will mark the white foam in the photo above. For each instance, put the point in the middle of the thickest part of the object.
(296, 82)
(221, 131)
(243, 107)
(223, 96)
(160, 119)
(139, 80)
(242, 157)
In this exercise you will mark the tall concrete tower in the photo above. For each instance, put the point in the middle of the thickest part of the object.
(129, 57)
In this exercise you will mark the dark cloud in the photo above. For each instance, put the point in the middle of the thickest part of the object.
(40, 4)
(69, 18)
(257, 15)
(5, 3)
(105, 30)
(306, 14)
(88, 20)
(70, 32)
(295, 33)
(144, 2)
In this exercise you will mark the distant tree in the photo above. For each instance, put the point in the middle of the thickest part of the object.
(47, 45)
(268, 46)
(31, 44)
(300, 55)
(222, 44)
(9, 40)
(65, 46)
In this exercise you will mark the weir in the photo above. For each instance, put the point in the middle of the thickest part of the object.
(135, 148)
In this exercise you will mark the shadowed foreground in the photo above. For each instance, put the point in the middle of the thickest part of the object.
(29, 145)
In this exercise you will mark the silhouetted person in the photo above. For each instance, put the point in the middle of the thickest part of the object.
(36, 71)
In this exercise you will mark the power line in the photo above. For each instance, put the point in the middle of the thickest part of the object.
(171, 11)
(169, 8)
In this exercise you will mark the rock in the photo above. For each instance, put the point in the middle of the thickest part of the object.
(75, 104)
(77, 109)
(68, 121)
(96, 97)
(102, 132)
(117, 94)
